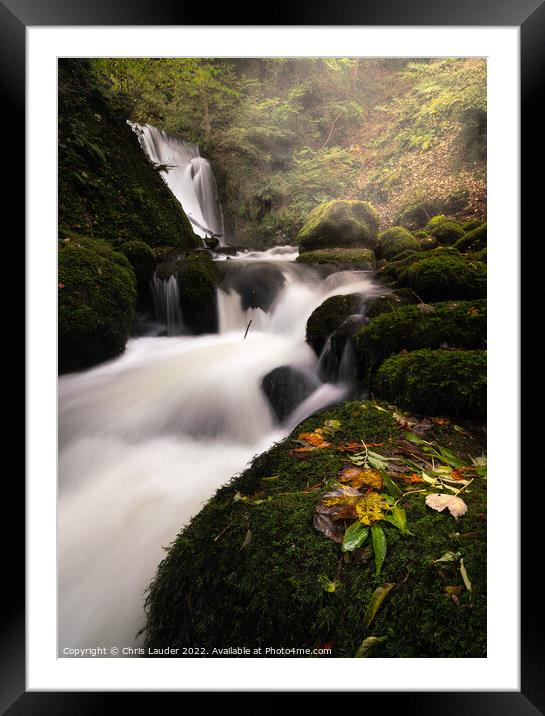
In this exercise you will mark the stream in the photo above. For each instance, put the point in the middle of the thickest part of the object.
(147, 438)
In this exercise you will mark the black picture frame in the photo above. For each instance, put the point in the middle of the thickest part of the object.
(529, 15)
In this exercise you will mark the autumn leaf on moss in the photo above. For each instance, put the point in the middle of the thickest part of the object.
(357, 477)
(456, 506)
(371, 508)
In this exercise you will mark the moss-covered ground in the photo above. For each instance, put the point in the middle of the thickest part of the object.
(252, 570)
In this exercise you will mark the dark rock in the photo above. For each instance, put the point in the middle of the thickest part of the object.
(286, 387)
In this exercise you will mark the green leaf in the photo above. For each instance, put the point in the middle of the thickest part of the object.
(398, 518)
(463, 572)
(390, 485)
(326, 584)
(379, 462)
(354, 536)
(367, 644)
(449, 557)
(451, 458)
(378, 596)
(379, 546)
(413, 438)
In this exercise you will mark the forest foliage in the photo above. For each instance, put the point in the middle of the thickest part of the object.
(286, 134)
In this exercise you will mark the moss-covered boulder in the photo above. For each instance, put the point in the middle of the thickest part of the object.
(445, 277)
(391, 270)
(141, 259)
(197, 283)
(340, 223)
(446, 232)
(460, 324)
(473, 241)
(437, 382)
(389, 302)
(396, 240)
(96, 297)
(252, 570)
(471, 224)
(328, 317)
(108, 188)
(341, 259)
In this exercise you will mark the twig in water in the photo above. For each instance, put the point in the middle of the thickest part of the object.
(247, 329)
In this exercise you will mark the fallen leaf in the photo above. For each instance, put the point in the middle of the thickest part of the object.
(326, 584)
(456, 505)
(465, 577)
(379, 546)
(378, 596)
(367, 644)
(449, 557)
(323, 522)
(358, 477)
(354, 537)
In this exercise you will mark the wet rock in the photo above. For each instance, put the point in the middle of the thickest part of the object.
(287, 387)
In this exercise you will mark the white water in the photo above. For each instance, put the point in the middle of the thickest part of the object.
(190, 178)
(147, 438)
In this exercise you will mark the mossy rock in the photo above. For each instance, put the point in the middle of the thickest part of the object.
(250, 571)
(472, 241)
(396, 240)
(471, 224)
(340, 223)
(447, 232)
(460, 324)
(391, 271)
(389, 302)
(328, 317)
(435, 382)
(108, 188)
(435, 221)
(96, 297)
(445, 277)
(417, 214)
(341, 259)
(198, 279)
(141, 259)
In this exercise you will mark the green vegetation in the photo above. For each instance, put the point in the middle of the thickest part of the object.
(341, 259)
(141, 259)
(340, 224)
(107, 187)
(96, 295)
(459, 324)
(285, 135)
(328, 318)
(389, 302)
(197, 282)
(440, 382)
(474, 240)
(252, 569)
(445, 277)
(446, 232)
(396, 240)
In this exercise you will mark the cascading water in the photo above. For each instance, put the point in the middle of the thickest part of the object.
(189, 176)
(147, 438)
(166, 303)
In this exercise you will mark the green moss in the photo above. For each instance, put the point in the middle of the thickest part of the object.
(459, 324)
(396, 240)
(473, 241)
(435, 382)
(328, 317)
(340, 223)
(435, 221)
(248, 574)
(108, 188)
(471, 224)
(341, 259)
(96, 296)
(141, 259)
(480, 255)
(447, 232)
(392, 270)
(445, 277)
(389, 302)
(197, 282)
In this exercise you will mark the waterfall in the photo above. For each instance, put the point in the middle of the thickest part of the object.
(147, 438)
(166, 302)
(188, 175)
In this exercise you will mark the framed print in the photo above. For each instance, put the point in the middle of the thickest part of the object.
(259, 425)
